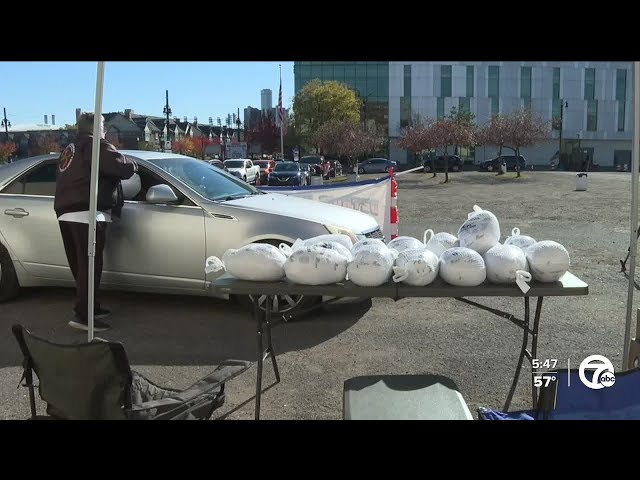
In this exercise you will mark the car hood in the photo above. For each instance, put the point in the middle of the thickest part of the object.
(284, 174)
(313, 211)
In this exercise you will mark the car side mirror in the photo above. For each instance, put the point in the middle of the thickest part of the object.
(161, 194)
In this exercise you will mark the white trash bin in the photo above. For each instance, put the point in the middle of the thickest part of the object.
(581, 182)
(317, 180)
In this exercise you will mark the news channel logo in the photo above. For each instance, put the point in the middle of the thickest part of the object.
(597, 372)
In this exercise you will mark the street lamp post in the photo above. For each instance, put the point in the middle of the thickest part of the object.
(563, 105)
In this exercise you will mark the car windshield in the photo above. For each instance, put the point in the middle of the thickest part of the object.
(210, 182)
(263, 163)
(234, 163)
(287, 167)
(310, 160)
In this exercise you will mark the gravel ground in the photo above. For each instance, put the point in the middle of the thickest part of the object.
(177, 339)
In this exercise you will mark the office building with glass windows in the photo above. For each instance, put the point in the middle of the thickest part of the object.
(593, 98)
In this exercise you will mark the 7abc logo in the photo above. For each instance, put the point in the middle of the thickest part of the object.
(596, 372)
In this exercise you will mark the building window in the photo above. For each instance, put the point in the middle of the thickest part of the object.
(555, 114)
(464, 104)
(405, 111)
(589, 83)
(495, 106)
(445, 80)
(440, 112)
(470, 81)
(556, 84)
(592, 115)
(494, 81)
(621, 85)
(621, 112)
(525, 83)
(407, 80)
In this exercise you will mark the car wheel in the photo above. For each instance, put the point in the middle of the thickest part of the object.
(244, 178)
(386, 169)
(9, 287)
(455, 168)
(361, 170)
(490, 168)
(282, 304)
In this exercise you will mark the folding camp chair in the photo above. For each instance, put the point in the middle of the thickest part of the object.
(93, 381)
(566, 397)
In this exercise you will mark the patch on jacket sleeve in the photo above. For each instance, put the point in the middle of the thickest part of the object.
(66, 157)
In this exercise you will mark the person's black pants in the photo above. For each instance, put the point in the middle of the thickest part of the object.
(75, 237)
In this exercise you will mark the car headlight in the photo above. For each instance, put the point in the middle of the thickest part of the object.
(339, 230)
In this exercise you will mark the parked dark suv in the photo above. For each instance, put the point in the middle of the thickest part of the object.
(317, 164)
(494, 163)
(454, 161)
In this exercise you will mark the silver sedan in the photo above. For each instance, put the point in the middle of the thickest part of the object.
(376, 165)
(183, 211)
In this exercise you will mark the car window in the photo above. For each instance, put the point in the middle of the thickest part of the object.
(287, 167)
(40, 181)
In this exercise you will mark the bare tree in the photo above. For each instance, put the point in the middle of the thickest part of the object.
(524, 129)
(448, 132)
(495, 132)
(346, 138)
(417, 138)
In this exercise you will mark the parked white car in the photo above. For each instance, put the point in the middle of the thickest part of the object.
(244, 169)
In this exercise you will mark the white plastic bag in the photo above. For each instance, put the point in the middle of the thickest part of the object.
(480, 232)
(416, 267)
(371, 267)
(258, 262)
(440, 242)
(316, 265)
(329, 237)
(507, 264)
(462, 267)
(522, 241)
(400, 244)
(367, 243)
(339, 247)
(548, 260)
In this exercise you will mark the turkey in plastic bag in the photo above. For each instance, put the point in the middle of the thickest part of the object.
(372, 244)
(440, 242)
(480, 232)
(416, 267)
(548, 260)
(316, 265)
(371, 267)
(259, 262)
(507, 264)
(340, 238)
(402, 243)
(298, 244)
(522, 241)
(462, 267)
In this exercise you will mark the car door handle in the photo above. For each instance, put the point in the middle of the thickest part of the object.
(16, 212)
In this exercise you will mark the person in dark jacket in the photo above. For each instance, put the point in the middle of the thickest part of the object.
(71, 204)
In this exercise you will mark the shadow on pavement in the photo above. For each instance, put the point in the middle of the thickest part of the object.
(167, 329)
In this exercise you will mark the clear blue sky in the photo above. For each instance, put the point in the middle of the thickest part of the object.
(29, 90)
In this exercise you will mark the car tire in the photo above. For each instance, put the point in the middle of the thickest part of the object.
(244, 178)
(386, 169)
(361, 170)
(490, 168)
(9, 286)
(302, 302)
(455, 168)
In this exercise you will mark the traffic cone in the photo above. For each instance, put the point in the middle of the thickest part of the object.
(394, 205)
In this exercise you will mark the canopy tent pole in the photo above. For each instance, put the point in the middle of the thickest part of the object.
(634, 210)
(93, 196)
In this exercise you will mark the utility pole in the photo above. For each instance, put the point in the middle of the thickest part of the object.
(6, 124)
(167, 112)
(563, 105)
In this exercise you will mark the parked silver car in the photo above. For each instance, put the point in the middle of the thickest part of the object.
(185, 211)
(376, 165)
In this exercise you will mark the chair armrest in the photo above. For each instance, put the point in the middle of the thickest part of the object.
(222, 374)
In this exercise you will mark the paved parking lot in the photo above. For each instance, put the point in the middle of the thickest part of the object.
(175, 339)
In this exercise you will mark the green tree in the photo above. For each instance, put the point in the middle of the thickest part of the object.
(321, 102)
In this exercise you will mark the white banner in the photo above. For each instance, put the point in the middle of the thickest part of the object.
(372, 197)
